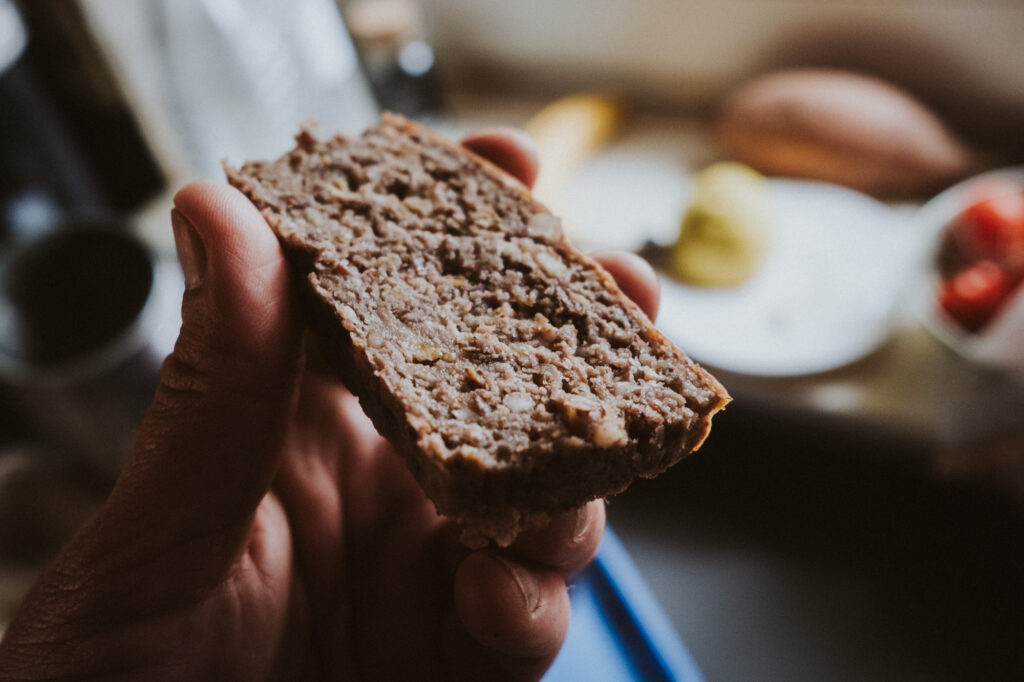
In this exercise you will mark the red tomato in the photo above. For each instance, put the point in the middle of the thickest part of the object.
(996, 221)
(974, 294)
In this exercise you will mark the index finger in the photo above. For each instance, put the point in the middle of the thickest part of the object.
(635, 277)
(510, 149)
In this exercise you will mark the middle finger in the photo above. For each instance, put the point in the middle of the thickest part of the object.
(568, 542)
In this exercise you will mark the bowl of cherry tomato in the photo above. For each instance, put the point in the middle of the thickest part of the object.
(975, 296)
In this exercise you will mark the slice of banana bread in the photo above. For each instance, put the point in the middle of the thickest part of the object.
(506, 367)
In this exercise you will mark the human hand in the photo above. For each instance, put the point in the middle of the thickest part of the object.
(261, 529)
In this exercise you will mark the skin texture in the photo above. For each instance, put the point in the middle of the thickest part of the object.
(262, 530)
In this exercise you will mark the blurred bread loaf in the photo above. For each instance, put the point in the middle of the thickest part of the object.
(840, 127)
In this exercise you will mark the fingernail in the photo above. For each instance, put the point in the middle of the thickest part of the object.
(191, 251)
(528, 586)
(583, 518)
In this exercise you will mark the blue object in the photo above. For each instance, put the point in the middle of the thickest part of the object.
(617, 631)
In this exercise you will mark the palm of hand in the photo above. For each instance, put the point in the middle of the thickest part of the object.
(366, 569)
(343, 558)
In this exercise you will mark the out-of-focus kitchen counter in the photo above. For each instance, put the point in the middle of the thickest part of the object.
(912, 387)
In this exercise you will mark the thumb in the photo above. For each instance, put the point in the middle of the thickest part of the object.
(183, 508)
(210, 443)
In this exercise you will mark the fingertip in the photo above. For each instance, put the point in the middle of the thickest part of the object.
(568, 542)
(205, 197)
(225, 219)
(510, 149)
(509, 607)
(635, 277)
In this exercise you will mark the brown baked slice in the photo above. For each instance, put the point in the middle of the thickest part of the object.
(506, 367)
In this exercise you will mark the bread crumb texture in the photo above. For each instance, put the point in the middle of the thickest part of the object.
(506, 367)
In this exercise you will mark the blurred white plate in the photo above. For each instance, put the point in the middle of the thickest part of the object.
(824, 297)
(838, 265)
